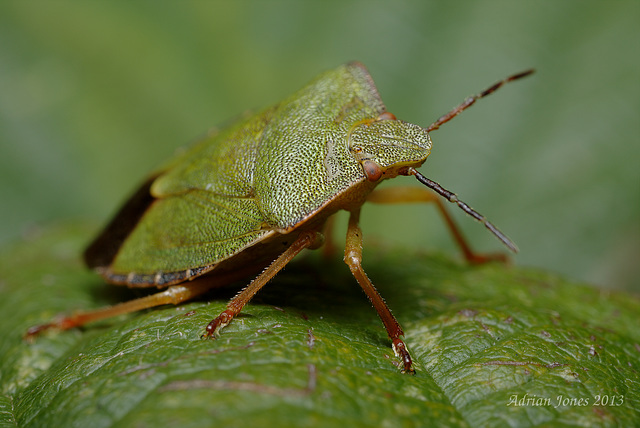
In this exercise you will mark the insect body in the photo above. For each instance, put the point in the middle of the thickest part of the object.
(249, 197)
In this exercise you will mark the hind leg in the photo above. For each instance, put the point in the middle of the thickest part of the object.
(174, 295)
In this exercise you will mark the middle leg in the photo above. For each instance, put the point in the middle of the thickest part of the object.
(305, 240)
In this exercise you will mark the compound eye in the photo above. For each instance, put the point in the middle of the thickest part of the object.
(387, 116)
(372, 170)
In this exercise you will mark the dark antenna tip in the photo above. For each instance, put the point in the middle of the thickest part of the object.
(469, 101)
(452, 197)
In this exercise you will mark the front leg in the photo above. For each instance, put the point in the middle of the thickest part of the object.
(353, 258)
(401, 195)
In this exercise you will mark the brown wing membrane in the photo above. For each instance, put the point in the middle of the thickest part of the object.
(103, 249)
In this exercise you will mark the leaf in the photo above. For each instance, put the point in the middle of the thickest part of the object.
(493, 346)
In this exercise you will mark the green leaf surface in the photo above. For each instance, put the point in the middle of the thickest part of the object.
(493, 346)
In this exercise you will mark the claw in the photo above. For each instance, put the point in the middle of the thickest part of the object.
(400, 349)
(478, 259)
(220, 322)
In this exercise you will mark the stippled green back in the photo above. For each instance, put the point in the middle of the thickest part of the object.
(263, 173)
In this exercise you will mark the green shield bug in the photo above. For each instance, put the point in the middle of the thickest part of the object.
(248, 198)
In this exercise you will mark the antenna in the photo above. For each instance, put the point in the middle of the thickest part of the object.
(472, 99)
(466, 208)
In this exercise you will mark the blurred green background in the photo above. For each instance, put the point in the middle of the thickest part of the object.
(95, 94)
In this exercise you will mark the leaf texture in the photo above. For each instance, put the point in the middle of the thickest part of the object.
(493, 346)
